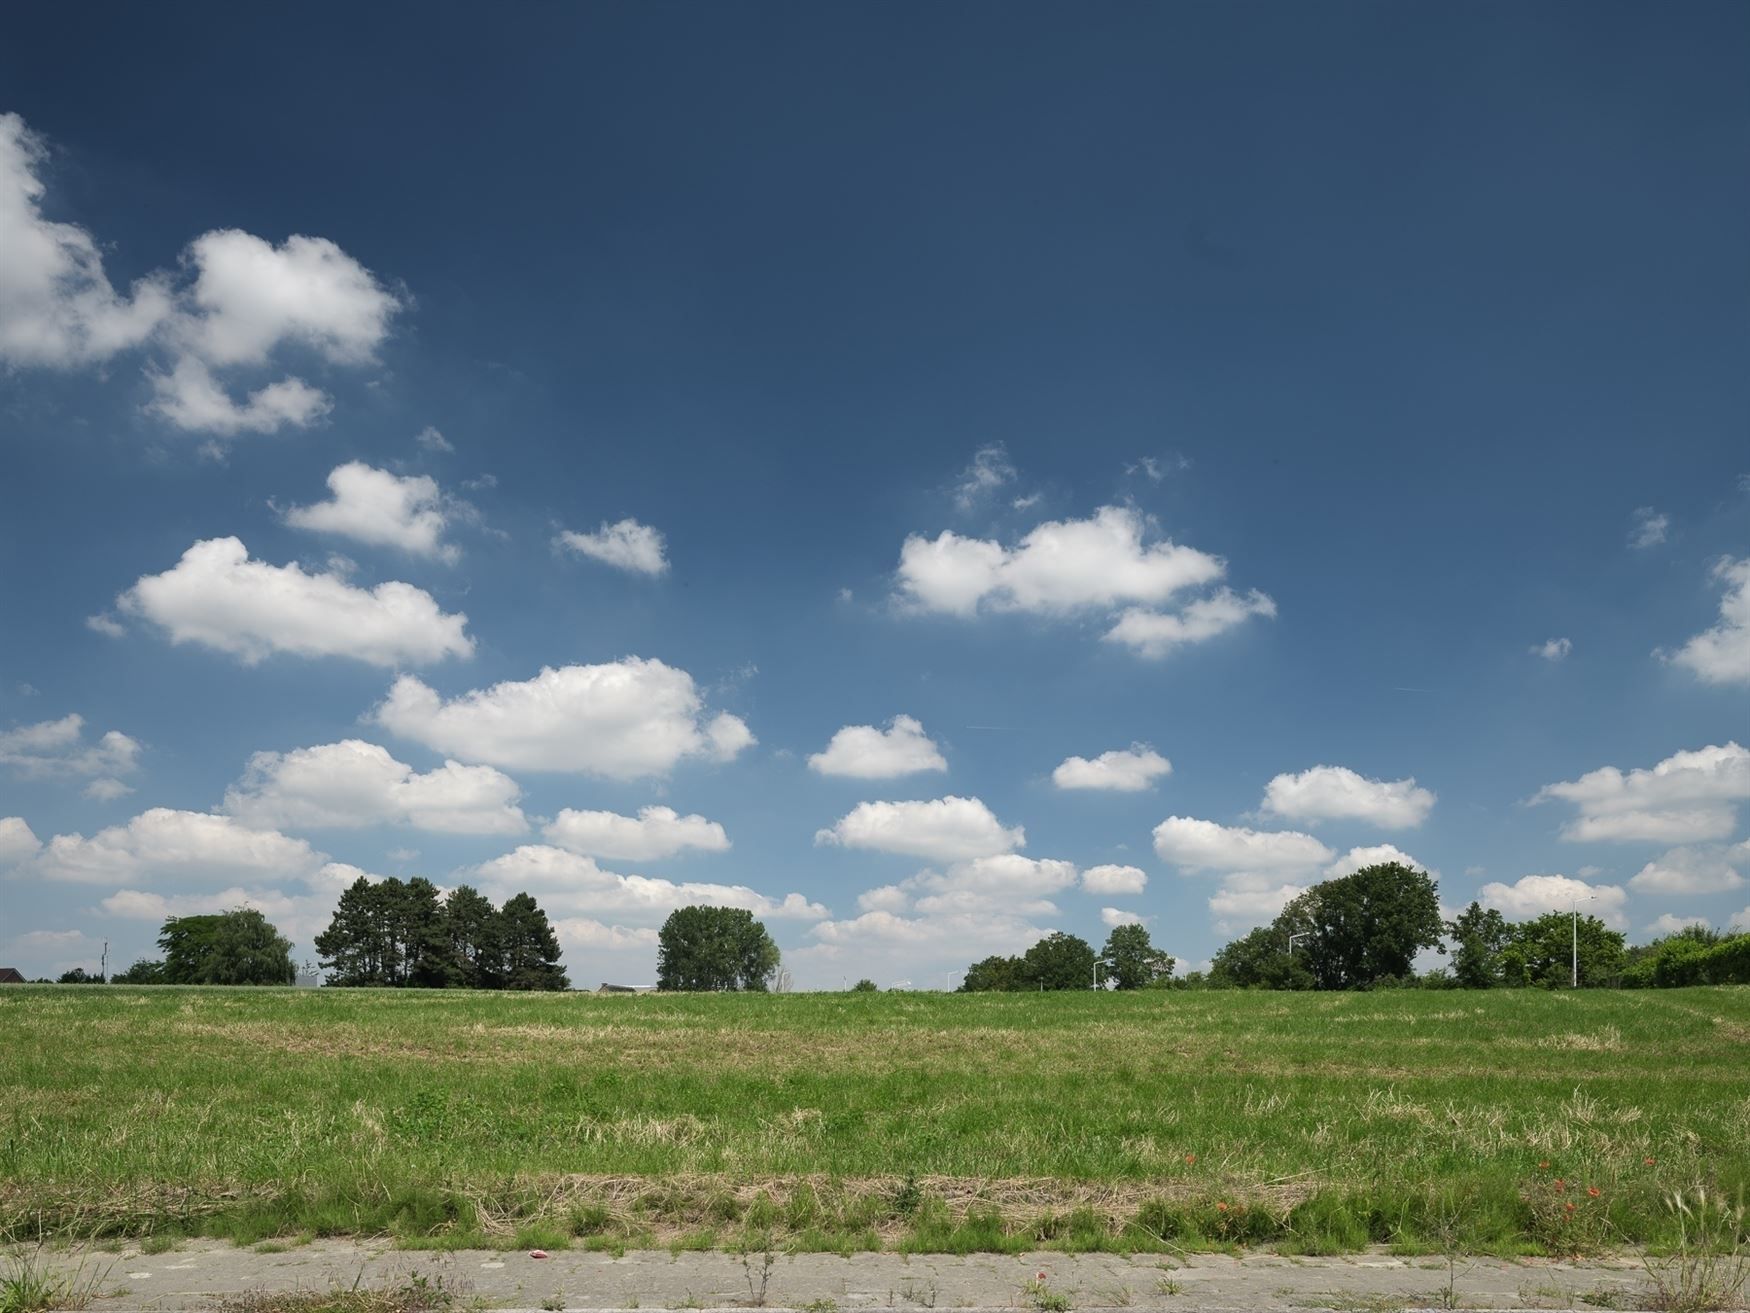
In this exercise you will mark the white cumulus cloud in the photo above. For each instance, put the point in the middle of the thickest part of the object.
(1647, 528)
(946, 829)
(1721, 655)
(571, 884)
(1668, 923)
(1113, 917)
(626, 545)
(1533, 895)
(179, 845)
(1200, 845)
(1112, 879)
(655, 832)
(1336, 793)
(382, 509)
(53, 748)
(865, 752)
(17, 841)
(1379, 854)
(1554, 649)
(1249, 899)
(218, 597)
(1710, 870)
(1156, 633)
(1689, 797)
(622, 719)
(1060, 566)
(236, 302)
(1130, 770)
(351, 784)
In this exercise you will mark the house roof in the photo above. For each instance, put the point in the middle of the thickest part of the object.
(11, 976)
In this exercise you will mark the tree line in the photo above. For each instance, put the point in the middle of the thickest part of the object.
(1365, 930)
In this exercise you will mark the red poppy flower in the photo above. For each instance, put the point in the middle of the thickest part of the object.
(1543, 1166)
(1569, 1206)
(1191, 1158)
(1559, 1185)
(1592, 1190)
(1649, 1161)
(1221, 1208)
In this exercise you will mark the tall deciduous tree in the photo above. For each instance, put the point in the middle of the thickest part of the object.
(1059, 961)
(994, 974)
(1130, 961)
(1542, 952)
(711, 948)
(1367, 927)
(239, 947)
(1479, 937)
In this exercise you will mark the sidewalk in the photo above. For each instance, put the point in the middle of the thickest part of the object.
(202, 1274)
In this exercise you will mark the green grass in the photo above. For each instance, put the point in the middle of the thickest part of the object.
(1313, 1123)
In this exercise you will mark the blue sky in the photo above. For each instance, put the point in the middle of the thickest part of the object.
(1344, 404)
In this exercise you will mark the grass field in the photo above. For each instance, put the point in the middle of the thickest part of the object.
(1508, 1122)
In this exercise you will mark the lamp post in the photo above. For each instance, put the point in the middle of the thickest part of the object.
(1299, 934)
(1574, 907)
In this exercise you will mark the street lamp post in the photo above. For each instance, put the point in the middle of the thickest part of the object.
(1299, 934)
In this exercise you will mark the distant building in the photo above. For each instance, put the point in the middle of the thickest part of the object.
(11, 976)
(626, 989)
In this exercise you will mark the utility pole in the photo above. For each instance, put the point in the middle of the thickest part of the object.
(103, 964)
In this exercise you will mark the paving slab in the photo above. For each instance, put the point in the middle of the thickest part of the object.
(201, 1275)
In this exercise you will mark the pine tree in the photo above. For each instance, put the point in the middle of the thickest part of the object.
(531, 949)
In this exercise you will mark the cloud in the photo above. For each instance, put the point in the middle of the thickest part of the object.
(1378, 854)
(1110, 879)
(432, 439)
(217, 597)
(1533, 895)
(239, 301)
(382, 509)
(1060, 567)
(1336, 793)
(623, 719)
(571, 884)
(17, 842)
(1693, 871)
(627, 545)
(107, 789)
(990, 470)
(188, 397)
(945, 829)
(1721, 655)
(1688, 797)
(985, 904)
(1554, 649)
(162, 843)
(1647, 528)
(1154, 634)
(57, 307)
(587, 932)
(1209, 846)
(654, 833)
(1248, 899)
(57, 748)
(1669, 924)
(352, 784)
(107, 625)
(1113, 917)
(866, 753)
(1132, 770)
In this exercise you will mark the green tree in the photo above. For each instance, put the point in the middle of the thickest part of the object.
(1542, 952)
(1130, 961)
(711, 948)
(865, 986)
(1479, 935)
(143, 972)
(187, 942)
(359, 947)
(247, 950)
(420, 932)
(1365, 928)
(79, 976)
(475, 934)
(994, 974)
(1260, 960)
(531, 949)
(1058, 961)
